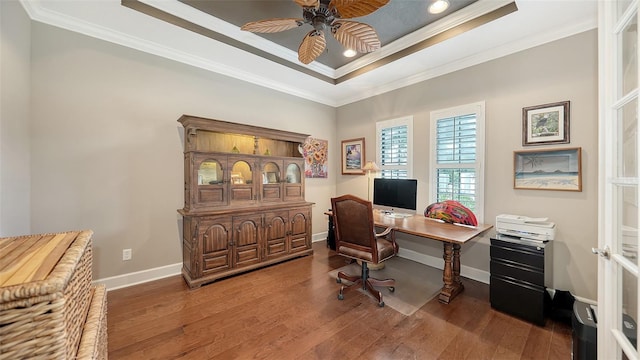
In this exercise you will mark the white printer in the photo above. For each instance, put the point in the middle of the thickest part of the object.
(526, 227)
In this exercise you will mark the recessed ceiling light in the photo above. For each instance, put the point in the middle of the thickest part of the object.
(438, 6)
(349, 53)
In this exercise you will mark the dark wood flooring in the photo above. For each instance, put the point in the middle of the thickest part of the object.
(291, 311)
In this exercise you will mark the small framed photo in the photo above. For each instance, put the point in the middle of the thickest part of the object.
(546, 124)
(237, 178)
(353, 156)
(272, 178)
(556, 169)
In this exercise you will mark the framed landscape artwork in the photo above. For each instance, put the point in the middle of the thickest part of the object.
(353, 156)
(557, 169)
(546, 124)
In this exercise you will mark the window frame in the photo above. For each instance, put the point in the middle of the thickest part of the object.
(477, 108)
(385, 124)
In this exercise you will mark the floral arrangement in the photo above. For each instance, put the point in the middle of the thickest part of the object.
(315, 155)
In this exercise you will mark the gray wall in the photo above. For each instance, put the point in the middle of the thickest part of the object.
(107, 149)
(89, 139)
(15, 46)
(558, 71)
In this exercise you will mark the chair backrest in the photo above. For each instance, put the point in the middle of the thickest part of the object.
(354, 229)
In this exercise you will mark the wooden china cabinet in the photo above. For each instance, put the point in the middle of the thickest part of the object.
(244, 204)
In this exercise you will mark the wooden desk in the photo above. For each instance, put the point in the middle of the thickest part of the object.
(452, 237)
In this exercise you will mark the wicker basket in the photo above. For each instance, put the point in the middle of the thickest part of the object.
(93, 344)
(44, 316)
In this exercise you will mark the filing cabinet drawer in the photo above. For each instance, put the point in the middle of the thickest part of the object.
(525, 301)
(517, 271)
(525, 255)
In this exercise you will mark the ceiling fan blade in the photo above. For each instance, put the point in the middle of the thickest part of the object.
(348, 9)
(312, 46)
(354, 35)
(272, 25)
(308, 3)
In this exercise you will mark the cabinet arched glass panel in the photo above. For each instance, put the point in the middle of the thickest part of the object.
(210, 173)
(241, 173)
(293, 174)
(270, 173)
(241, 188)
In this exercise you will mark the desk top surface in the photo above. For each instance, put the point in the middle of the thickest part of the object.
(419, 225)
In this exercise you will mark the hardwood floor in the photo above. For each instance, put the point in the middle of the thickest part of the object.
(291, 311)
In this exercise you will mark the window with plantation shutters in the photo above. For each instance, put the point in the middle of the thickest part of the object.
(457, 156)
(394, 148)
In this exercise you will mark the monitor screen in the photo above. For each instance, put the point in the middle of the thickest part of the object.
(395, 193)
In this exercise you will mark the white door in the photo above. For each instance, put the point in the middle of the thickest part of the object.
(619, 195)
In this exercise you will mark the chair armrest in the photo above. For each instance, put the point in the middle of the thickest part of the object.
(385, 232)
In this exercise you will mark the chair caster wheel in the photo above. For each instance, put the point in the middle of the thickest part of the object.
(392, 289)
(340, 297)
(339, 281)
(381, 304)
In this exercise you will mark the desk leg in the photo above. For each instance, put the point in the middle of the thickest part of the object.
(451, 273)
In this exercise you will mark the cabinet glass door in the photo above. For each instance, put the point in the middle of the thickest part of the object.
(242, 187)
(208, 185)
(271, 181)
(294, 183)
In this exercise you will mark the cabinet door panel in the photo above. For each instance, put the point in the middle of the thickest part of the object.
(293, 191)
(271, 192)
(241, 194)
(300, 224)
(294, 179)
(246, 239)
(215, 242)
(206, 178)
(276, 233)
(210, 194)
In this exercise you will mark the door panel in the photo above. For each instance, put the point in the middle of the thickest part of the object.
(246, 239)
(276, 233)
(300, 223)
(618, 193)
(215, 237)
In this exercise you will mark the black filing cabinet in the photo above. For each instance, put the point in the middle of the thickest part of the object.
(520, 270)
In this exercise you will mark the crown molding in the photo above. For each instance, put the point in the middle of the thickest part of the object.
(479, 58)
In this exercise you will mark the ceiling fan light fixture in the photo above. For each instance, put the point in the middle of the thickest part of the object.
(438, 6)
(349, 53)
(327, 15)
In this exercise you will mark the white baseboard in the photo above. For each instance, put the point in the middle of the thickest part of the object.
(319, 237)
(139, 277)
(438, 263)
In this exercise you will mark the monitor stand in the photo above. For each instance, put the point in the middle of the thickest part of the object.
(395, 215)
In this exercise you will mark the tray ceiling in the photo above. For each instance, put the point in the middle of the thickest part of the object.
(415, 45)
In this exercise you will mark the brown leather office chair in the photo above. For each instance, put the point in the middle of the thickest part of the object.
(356, 238)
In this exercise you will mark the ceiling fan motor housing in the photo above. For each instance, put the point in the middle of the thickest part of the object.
(319, 18)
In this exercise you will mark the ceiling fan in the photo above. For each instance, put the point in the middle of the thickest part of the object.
(327, 14)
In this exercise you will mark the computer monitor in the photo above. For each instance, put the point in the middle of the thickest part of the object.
(395, 194)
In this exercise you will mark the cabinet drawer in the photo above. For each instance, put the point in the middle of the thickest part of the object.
(518, 299)
(516, 271)
(529, 256)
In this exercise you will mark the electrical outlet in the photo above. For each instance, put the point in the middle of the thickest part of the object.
(126, 254)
